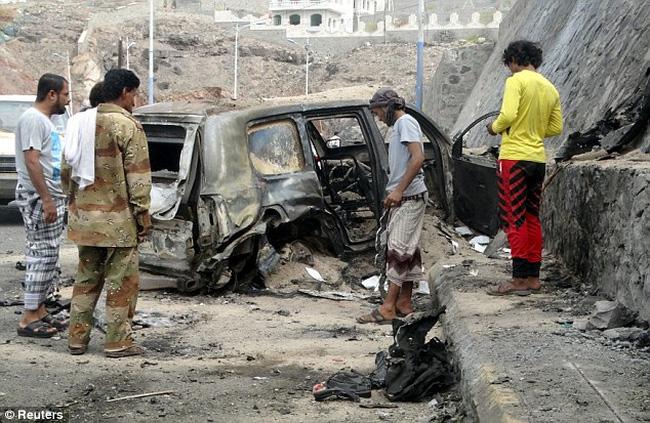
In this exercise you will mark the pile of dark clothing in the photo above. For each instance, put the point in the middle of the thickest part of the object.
(411, 370)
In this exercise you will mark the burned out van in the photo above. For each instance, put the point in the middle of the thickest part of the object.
(229, 188)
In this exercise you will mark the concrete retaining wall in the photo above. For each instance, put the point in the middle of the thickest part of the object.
(597, 219)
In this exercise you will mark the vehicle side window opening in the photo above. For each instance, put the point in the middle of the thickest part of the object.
(344, 169)
(275, 147)
(10, 112)
(165, 146)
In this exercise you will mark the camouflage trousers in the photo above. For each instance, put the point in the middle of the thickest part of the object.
(117, 268)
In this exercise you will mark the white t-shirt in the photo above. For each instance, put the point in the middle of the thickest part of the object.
(405, 131)
(36, 131)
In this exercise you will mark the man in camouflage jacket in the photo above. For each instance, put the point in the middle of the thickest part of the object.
(108, 218)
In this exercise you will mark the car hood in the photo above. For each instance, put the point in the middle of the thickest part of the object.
(7, 143)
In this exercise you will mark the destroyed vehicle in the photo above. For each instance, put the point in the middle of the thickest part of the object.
(231, 188)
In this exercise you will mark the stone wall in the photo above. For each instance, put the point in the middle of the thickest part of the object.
(447, 92)
(595, 214)
(597, 220)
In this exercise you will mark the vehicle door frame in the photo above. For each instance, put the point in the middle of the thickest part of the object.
(377, 156)
(475, 185)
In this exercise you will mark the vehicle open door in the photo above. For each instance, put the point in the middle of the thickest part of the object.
(475, 184)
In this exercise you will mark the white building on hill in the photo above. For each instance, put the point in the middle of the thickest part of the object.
(322, 15)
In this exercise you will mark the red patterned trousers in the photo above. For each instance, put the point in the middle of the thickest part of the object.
(520, 188)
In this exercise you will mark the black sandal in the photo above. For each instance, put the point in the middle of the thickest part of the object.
(59, 324)
(37, 329)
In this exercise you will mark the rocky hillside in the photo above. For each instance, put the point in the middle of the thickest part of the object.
(194, 59)
(595, 213)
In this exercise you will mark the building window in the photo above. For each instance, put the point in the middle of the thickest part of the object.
(275, 148)
(277, 20)
(316, 19)
(294, 20)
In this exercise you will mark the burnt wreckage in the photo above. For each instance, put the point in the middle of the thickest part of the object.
(229, 188)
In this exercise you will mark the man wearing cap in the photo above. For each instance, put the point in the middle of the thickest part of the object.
(406, 196)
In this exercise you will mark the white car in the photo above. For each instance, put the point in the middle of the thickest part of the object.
(11, 107)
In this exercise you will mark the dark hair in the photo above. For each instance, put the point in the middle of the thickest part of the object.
(49, 82)
(96, 94)
(116, 80)
(524, 53)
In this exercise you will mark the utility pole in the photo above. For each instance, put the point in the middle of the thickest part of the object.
(307, 67)
(385, 6)
(150, 51)
(420, 53)
(306, 47)
(67, 58)
(120, 53)
(234, 90)
(128, 47)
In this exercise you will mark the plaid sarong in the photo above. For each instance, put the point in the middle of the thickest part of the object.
(403, 258)
(42, 241)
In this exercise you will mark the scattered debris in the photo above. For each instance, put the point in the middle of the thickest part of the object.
(300, 252)
(499, 240)
(88, 389)
(314, 274)
(377, 405)
(150, 394)
(267, 259)
(609, 315)
(347, 385)
(464, 231)
(415, 369)
(624, 334)
(149, 319)
(371, 283)
(422, 288)
(335, 295)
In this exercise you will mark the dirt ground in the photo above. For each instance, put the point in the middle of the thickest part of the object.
(255, 356)
(235, 357)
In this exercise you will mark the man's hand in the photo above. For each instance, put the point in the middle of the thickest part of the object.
(49, 210)
(489, 128)
(144, 225)
(393, 199)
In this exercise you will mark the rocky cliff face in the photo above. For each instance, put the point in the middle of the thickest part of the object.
(446, 93)
(595, 213)
(596, 219)
(596, 54)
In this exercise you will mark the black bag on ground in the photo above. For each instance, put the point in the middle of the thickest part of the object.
(345, 385)
(415, 369)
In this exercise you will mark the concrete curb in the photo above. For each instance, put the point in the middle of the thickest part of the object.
(488, 401)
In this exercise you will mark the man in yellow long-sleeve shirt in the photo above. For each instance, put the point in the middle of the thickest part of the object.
(530, 112)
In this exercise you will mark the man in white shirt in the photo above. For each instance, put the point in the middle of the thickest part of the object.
(41, 202)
